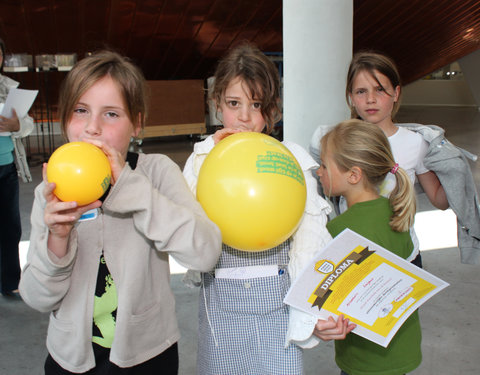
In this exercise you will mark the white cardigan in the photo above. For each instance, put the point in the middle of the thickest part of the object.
(310, 237)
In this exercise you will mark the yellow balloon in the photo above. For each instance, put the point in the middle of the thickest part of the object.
(81, 172)
(253, 188)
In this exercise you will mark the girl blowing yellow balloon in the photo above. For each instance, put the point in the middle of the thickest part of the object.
(244, 325)
(103, 274)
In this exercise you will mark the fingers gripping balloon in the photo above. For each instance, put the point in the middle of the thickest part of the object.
(81, 172)
(253, 188)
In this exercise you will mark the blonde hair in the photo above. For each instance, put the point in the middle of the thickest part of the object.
(90, 70)
(356, 143)
(258, 73)
(367, 61)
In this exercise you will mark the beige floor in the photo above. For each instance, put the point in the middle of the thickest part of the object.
(451, 337)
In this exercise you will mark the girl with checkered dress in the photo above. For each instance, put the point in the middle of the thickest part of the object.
(244, 326)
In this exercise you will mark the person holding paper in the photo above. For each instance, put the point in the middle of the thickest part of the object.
(11, 130)
(355, 159)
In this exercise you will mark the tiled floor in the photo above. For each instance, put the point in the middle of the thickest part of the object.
(451, 335)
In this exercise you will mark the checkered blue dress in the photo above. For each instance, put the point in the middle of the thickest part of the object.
(242, 323)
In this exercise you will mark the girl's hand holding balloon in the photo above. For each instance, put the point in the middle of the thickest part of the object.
(60, 217)
(116, 159)
(223, 133)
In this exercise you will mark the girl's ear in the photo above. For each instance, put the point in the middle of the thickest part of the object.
(350, 101)
(355, 175)
(216, 105)
(218, 112)
(138, 126)
(396, 94)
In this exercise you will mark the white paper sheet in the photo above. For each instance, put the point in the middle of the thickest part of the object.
(19, 99)
(373, 287)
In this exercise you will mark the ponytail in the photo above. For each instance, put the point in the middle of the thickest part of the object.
(358, 143)
(402, 201)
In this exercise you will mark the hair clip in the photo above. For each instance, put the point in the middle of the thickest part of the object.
(394, 169)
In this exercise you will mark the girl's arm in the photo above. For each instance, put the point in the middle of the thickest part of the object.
(45, 279)
(165, 211)
(434, 189)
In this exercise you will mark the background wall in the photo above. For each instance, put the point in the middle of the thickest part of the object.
(438, 92)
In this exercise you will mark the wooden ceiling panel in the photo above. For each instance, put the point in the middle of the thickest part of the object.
(421, 36)
(196, 14)
(16, 41)
(121, 17)
(175, 39)
(94, 18)
(67, 17)
(40, 23)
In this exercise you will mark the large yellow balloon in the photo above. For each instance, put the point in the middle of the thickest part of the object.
(81, 172)
(253, 188)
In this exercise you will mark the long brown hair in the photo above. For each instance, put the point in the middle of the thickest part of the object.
(370, 62)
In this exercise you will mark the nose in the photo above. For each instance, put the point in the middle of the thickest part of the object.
(244, 114)
(371, 98)
(319, 172)
(93, 126)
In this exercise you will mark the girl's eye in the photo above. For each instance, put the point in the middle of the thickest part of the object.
(80, 110)
(111, 114)
(232, 103)
(380, 89)
(360, 91)
(257, 105)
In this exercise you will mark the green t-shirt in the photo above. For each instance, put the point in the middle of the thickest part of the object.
(356, 355)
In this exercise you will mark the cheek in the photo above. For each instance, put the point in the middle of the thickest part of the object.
(391, 102)
(259, 122)
(228, 118)
(323, 178)
(73, 131)
(357, 102)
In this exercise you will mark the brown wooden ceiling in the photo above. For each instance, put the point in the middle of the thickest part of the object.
(182, 39)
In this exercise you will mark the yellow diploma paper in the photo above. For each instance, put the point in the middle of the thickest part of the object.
(373, 287)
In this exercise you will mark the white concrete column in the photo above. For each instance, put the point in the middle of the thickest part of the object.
(469, 65)
(317, 48)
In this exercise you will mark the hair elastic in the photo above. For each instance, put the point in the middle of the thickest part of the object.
(394, 169)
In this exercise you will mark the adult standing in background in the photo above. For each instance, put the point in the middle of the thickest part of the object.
(11, 129)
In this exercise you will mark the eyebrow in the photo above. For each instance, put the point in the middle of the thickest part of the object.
(104, 107)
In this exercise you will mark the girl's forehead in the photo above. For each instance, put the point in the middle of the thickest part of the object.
(373, 75)
(251, 89)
